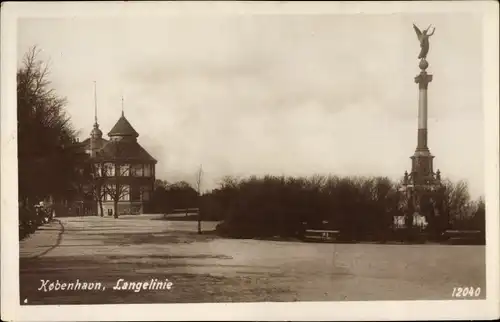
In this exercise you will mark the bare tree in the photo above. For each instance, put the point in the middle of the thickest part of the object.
(456, 200)
(113, 186)
(98, 191)
(198, 189)
(47, 164)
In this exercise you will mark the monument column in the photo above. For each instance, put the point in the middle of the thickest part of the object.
(423, 80)
(423, 188)
(422, 168)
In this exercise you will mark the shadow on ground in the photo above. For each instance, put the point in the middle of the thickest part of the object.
(187, 287)
(171, 237)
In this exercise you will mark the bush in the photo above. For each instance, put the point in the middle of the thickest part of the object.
(32, 218)
(362, 208)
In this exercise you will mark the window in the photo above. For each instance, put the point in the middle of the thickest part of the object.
(98, 169)
(135, 194)
(137, 170)
(125, 170)
(125, 193)
(145, 193)
(109, 168)
(147, 170)
(108, 190)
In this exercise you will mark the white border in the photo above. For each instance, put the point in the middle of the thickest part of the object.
(380, 310)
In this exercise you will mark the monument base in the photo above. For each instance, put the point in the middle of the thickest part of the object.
(424, 212)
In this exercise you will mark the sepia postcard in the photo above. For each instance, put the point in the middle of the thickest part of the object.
(250, 161)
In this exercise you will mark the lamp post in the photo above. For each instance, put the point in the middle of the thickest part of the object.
(198, 190)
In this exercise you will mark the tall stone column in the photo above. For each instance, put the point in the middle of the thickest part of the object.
(423, 79)
(423, 190)
(422, 167)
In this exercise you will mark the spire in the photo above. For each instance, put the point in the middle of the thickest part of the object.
(95, 133)
(95, 102)
(123, 129)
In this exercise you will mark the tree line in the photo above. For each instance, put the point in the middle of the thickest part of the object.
(362, 208)
(168, 197)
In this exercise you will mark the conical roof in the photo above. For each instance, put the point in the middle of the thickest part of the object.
(123, 128)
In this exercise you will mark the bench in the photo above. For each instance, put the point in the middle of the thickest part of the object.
(185, 211)
(464, 237)
(321, 235)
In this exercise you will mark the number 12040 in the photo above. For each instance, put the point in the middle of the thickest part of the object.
(466, 292)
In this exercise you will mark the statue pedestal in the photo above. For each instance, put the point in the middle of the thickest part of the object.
(423, 206)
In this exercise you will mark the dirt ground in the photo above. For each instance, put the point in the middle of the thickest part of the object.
(206, 268)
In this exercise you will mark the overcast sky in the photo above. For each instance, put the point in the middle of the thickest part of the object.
(293, 95)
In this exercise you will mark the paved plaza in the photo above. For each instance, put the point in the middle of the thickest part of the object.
(206, 268)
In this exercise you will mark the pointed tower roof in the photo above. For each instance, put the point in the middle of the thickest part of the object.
(123, 128)
(123, 145)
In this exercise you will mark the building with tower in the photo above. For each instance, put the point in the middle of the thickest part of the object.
(122, 172)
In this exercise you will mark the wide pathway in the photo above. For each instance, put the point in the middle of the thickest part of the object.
(205, 268)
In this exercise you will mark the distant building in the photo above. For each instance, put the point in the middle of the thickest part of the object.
(123, 172)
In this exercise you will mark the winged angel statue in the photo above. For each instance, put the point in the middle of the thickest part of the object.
(423, 37)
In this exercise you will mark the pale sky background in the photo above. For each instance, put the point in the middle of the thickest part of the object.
(292, 95)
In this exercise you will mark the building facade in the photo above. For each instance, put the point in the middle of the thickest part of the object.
(123, 172)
